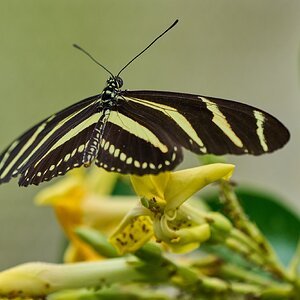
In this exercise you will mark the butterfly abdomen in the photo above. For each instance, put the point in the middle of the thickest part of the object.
(93, 145)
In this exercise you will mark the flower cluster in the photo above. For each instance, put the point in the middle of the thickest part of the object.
(163, 213)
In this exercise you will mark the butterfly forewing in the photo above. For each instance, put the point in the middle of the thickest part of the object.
(214, 125)
(30, 151)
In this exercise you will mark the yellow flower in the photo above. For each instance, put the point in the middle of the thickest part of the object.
(83, 198)
(163, 213)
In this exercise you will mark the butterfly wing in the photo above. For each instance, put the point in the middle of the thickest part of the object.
(148, 129)
(137, 140)
(51, 147)
(143, 134)
(216, 126)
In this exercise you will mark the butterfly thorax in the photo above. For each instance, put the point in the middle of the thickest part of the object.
(112, 90)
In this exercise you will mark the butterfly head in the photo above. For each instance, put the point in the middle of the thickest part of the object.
(115, 82)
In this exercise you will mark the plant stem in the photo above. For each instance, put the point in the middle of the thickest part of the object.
(38, 279)
(259, 249)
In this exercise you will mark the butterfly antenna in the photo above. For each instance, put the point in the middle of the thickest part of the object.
(93, 59)
(169, 28)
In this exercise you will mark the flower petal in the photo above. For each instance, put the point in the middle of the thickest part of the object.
(64, 191)
(132, 236)
(183, 184)
(150, 186)
(101, 181)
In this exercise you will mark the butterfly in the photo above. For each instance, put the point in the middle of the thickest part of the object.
(138, 132)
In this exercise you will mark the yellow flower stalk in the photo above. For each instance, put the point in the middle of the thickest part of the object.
(83, 198)
(163, 213)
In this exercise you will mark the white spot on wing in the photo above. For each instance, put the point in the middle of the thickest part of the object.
(129, 160)
(122, 156)
(137, 164)
(111, 149)
(81, 148)
(74, 152)
(117, 152)
(106, 146)
(173, 156)
(102, 143)
(67, 157)
(152, 166)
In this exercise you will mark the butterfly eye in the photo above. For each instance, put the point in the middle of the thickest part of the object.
(119, 82)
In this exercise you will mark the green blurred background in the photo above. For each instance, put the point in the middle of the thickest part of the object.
(242, 50)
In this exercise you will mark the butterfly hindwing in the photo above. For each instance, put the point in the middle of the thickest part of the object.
(59, 160)
(137, 142)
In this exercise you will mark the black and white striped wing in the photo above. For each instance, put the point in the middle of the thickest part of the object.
(143, 133)
(51, 147)
(137, 140)
(149, 129)
(218, 126)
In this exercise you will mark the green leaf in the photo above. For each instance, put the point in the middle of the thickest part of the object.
(123, 187)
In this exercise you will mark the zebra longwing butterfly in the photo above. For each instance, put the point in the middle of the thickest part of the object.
(138, 132)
